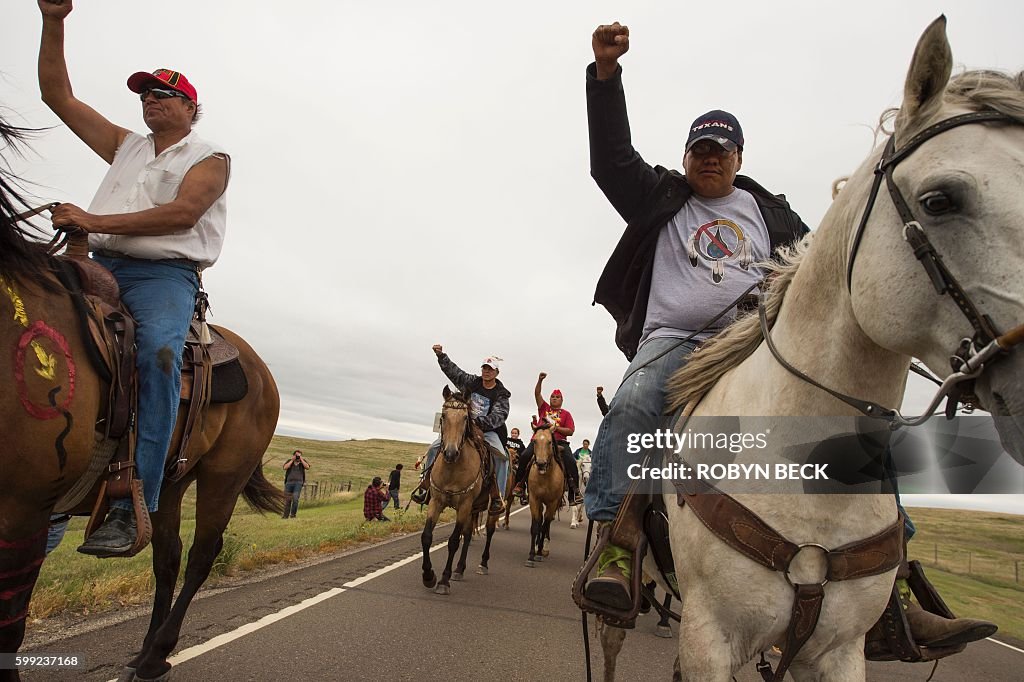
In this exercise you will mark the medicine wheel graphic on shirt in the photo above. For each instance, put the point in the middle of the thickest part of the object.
(717, 242)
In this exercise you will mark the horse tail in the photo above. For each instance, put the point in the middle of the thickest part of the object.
(261, 495)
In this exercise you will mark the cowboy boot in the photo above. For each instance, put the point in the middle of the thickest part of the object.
(497, 506)
(612, 586)
(115, 537)
(931, 630)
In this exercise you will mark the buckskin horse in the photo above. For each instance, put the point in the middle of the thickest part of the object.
(858, 298)
(546, 485)
(457, 480)
(49, 405)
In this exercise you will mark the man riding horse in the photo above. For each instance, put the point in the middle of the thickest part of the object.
(157, 220)
(489, 405)
(562, 426)
(711, 226)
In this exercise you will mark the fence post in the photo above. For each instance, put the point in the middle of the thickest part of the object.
(349, 488)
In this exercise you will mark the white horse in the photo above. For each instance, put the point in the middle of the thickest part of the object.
(855, 332)
(577, 511)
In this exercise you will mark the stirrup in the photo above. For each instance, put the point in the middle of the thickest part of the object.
(614, 617)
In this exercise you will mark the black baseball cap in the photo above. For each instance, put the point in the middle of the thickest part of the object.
(718, 126)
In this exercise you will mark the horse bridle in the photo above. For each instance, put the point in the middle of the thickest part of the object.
(453, 404)
(968, 361)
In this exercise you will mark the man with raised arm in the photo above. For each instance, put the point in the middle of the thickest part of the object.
(489, 407)
(562, 426)
(157, 220)
(687, 252)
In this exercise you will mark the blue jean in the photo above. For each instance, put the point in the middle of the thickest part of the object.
(291, 503)
(500, 465)
(393, 495)
(56, 532)
(161, 296)
(638, 407)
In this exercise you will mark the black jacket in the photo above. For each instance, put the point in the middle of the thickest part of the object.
(467, 383)
(647, 198)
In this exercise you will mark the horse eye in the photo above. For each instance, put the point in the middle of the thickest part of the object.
(937, 203)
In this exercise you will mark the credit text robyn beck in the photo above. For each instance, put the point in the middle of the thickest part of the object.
(780, 471)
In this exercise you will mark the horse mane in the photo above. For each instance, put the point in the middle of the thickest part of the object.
(22, 257)
(978, 90)
(736, 342)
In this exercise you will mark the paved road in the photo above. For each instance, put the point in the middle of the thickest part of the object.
(359, 616)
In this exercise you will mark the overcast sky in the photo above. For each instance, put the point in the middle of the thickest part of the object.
(410, 173)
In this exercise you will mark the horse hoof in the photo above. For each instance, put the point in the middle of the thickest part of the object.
(127, 674)
(664, 632)
(166, 677)
(574, 525)
(481, 570)
(430, 581)
(545, 552)
(456, 576)
(529, 563)
(442, 589)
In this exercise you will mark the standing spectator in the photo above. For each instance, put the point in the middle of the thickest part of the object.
(394, 483)
(373, 500)
(294, 479)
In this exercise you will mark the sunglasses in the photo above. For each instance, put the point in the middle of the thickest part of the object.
(709, 148)
(161, 93)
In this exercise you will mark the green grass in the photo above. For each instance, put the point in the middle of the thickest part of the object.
(82, 584)
(975, 571)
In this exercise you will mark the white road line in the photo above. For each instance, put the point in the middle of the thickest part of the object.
(249, 628)
(1019, 651)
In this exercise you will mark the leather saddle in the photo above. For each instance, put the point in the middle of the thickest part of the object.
(108, 333)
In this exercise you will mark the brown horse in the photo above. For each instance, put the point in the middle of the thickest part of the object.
(457, 482)
(546, 483)
(49, 403)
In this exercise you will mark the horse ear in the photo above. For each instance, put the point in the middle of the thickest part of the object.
(929, 73)
(447, 392)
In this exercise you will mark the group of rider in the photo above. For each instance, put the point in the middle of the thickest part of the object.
(488, 401)
(158, 219)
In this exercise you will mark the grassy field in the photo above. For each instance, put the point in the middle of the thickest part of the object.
(976, 551)
(82, 584)
(980, 559)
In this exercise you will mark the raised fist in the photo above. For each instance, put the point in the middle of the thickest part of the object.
(57, 9)
(437, 349)
(610, 42)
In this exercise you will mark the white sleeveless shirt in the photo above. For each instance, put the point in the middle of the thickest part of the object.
(139, 180)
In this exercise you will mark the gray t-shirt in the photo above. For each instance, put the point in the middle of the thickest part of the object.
(703, 261)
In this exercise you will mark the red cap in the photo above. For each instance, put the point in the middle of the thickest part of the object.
(556, 392)
(162, 78)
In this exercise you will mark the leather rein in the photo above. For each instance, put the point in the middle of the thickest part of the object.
(972, 354)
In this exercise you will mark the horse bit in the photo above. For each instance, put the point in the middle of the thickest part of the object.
(969, 360)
